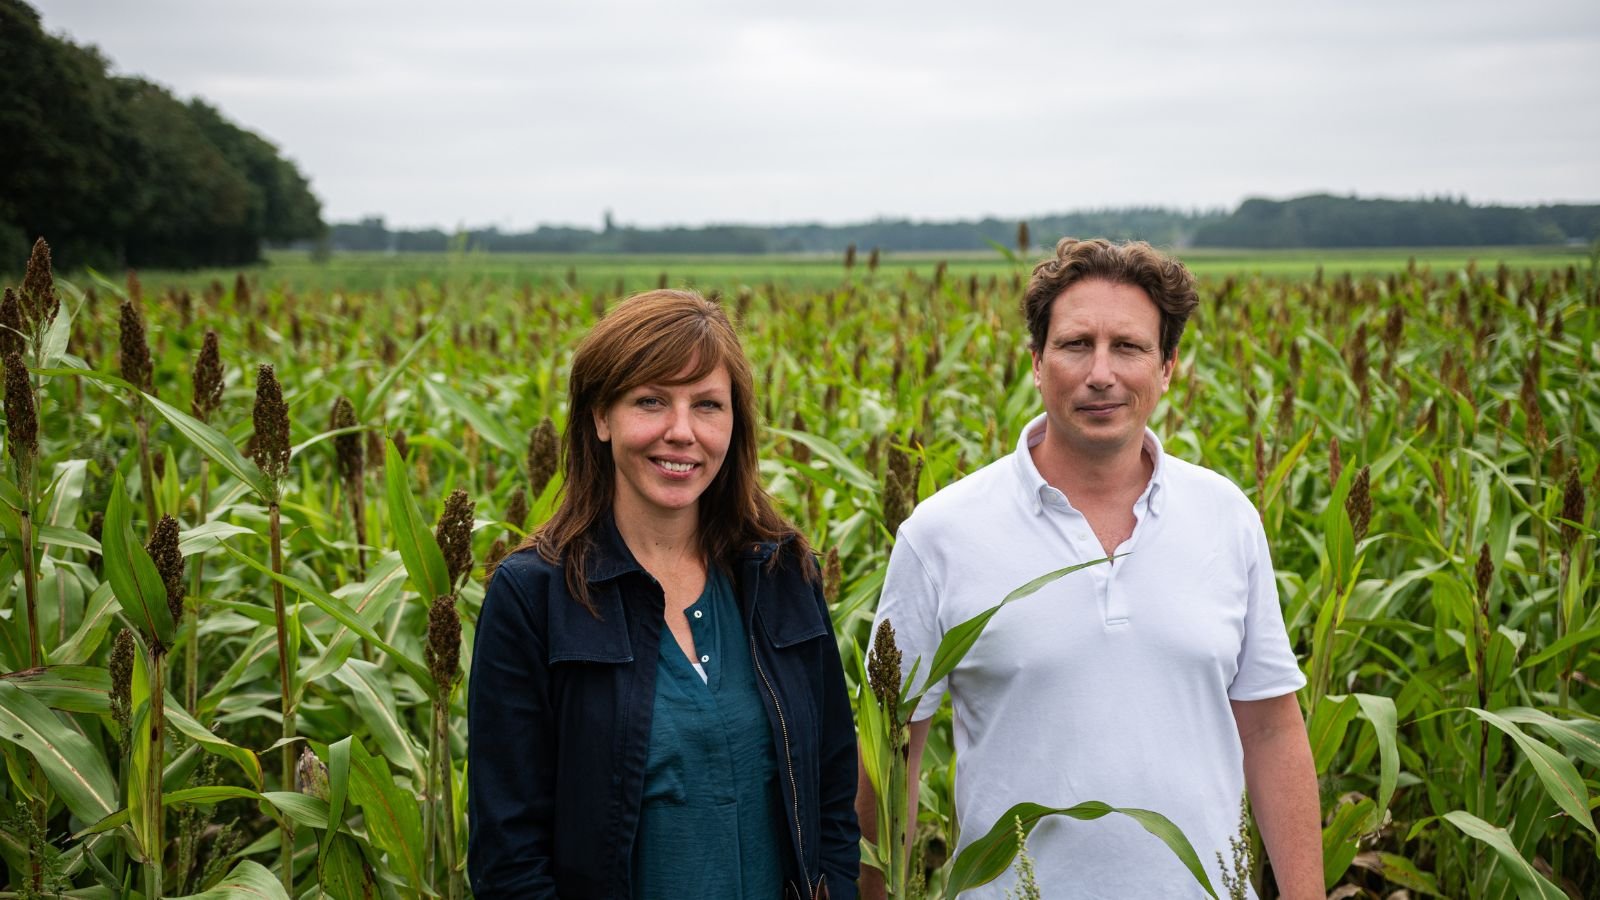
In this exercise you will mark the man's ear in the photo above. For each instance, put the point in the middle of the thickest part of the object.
(1037, 384)
(1167, 369)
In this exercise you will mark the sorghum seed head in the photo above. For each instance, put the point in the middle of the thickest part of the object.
(900, 488)
(136, 367)
(883, 667)
(454, 534)
(39, 287)
(444, 642)
(271, 416)
(12, 328)
(121, 669)
(207, 378)
(543, 455)
(163, 549)
(1358, 506)
(400, 445)
(497, 552)
(347, 447)
(22, 419)
(1484, 572)
(1335, 464)
(517, 508)
(1573, 505)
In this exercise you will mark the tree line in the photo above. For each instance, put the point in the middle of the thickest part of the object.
(116, 171)
(1318, 221)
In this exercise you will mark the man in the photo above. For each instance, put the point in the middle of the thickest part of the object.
(1162, 680)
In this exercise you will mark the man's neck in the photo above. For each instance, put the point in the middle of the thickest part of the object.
(1088, 478)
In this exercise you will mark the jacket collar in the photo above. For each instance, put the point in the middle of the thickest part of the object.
(612, 558)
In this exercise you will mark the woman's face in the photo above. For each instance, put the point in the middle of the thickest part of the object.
(668, 443)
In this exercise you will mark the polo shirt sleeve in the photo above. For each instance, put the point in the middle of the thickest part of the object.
(1267, 667)
(910, 601)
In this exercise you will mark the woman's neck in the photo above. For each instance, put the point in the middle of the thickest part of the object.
(661, 543)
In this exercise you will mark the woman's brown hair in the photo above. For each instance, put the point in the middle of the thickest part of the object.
(660, 337)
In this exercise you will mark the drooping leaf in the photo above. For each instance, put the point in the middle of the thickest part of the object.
(248, 881)
(374, 700)
(73, 766)
(215, 445)
(338, 790)
(1530, 884)
(986, 858)
(1380, 711)
(1559, 776)
(393, 817)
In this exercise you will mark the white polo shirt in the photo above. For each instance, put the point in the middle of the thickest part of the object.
(1111, 683)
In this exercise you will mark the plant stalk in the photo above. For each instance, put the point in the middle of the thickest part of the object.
(452, 853)
(147, 472)
(153, 871)
(286, 850)
(191, 613)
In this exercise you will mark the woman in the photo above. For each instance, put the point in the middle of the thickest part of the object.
(657, 707)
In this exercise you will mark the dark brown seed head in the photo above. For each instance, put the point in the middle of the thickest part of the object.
(497, 552)
(121, 669)
(517, 508)
(883, 667)
(163, 549)
(207, 378)
(12, 328)
(39, 287)
(1573, 505)
(22, 419)
(97, 524)
(271, 416)
(454, 534)
(1335, 464)
(800, 452)
(1484, 573)
(850, 257)
(400, 445)
(349, 448)
(444, 642)
(1394, 327)
(136, 368)
(872, 260)
(543, 455)
(1023, 239)
(1358, 506)
(900, 488)
(832, 576)
(241, 293)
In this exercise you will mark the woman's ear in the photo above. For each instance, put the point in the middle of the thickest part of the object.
(601, 427)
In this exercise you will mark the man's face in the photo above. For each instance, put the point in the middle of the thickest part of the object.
(1100, 371)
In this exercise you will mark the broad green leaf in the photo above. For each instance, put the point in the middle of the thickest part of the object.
(393, 818)
(369, 689)
(492, 427)
(132, 574)
(190, 727)
(987, 858)
(78, 689)
(1380, 711)
(73, 766)
(343, 869)
(304, 809)
(1530, 884)
(338, 789)
(98, 615)
(248, 881)
(208, 536)
(1559, 775)
(1581, 736)
(1326, 729)
(412, 534)
(66, 490)
(1341, 837)
(367, 600)
(830, 453)
(215, 445)
(214, 793)
(334, 607)
(955, 644)
(141, 748)
(71, 538)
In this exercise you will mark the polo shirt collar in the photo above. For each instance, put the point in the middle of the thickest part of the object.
(1036, 490)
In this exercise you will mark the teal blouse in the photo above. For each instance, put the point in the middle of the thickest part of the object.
(711, 823)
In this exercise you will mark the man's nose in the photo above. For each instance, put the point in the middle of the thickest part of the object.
(1101, 374)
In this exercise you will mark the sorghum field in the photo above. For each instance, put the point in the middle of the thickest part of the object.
(247, 519)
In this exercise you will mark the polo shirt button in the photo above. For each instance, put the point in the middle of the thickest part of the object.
(705, 659)
(697, 614)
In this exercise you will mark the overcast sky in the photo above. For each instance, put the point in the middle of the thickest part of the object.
(517, 113)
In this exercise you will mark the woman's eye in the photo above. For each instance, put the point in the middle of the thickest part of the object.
(711, 404)
(648, 402)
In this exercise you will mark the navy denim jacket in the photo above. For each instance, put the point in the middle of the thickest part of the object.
(559, 708)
